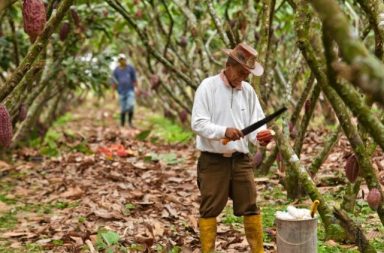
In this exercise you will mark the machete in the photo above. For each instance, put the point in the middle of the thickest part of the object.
(258, 124)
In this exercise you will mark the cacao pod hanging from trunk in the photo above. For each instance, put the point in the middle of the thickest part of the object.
(6, 131)
(183, 41)
(75, 17)
(64, 31)
(183, 115)
(307, 105)
(168, 114)
(155, 82)
(374, 198)
(351, 168)
(22, 112)
(34, 18)
(292, 130)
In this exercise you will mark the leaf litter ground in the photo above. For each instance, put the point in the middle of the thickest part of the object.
(130, 195)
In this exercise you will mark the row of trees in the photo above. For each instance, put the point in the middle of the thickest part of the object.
(314, 53)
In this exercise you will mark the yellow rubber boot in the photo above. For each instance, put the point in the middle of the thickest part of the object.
(254, 232)
(207, 228)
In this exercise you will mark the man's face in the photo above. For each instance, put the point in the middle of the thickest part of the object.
(122, 62)
(236, 74)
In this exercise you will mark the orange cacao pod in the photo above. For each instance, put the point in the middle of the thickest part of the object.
(374, 198)
(6, 131)
(351, 168)
(264, 136)
(34, 18)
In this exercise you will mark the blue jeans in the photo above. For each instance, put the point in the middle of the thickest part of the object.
(127, 101)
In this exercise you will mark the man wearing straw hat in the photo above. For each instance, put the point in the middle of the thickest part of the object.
(224, 104)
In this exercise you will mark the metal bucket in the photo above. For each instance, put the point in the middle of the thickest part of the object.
(296, 236)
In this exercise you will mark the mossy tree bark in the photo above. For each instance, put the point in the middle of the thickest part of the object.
(355, 230)
(367, 71)
(373, 9)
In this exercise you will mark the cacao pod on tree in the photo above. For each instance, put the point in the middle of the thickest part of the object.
(194, 32)
(168, 114)
(155, 82)
(257, 158)
(307, 105)
(139, 13)
(183, 41)
(292, 130)
(374, 198)
(6, 131)
(351, 168)
(105, 13)
(75, 17)
(183, 115)
(64, 31)
(22, 112)
(278, 157)
(34, 18)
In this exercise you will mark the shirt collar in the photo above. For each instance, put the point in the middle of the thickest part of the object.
(226, 82)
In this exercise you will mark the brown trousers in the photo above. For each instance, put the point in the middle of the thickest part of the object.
(220, 178)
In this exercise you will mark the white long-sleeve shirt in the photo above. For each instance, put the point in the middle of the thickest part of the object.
(218, 106)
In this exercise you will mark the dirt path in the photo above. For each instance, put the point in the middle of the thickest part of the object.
(140, 197)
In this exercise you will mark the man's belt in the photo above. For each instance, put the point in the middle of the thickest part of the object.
(234, 154)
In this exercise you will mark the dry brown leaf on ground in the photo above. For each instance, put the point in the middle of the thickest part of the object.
(4, 208)
(73, 193)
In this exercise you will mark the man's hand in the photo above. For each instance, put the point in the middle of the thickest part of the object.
(265, 136)
(233, 134)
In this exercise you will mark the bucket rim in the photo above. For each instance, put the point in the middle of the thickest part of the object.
(312, 219)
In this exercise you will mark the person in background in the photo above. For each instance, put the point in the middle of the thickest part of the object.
(224, 104)
(124, 81)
